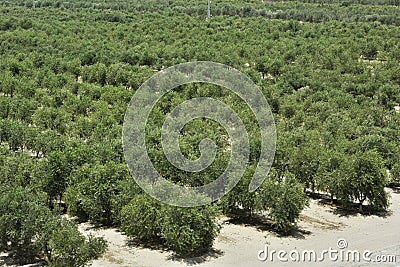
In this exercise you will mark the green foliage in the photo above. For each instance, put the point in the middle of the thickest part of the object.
(126, 190)
(283, 199)
(16, 169)
(364, 178)
(328, 172)
(95, 73)
(240, 202)
(92, 190)
(142, 218)
(332, 86)
(70, 249)
(30, 229)
(395, 173)
(183, 230)
(189, 230)
(24, 222)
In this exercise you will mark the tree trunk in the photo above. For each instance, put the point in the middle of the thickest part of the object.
(361, 201)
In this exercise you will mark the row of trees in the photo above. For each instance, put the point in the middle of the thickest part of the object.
(347, 3)
(310, 10)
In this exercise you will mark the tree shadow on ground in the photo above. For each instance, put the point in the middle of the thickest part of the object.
(154, 244)
(395, 187)
(353, 210)
(262, 223)
(348, 210)
(192, 259)
(88, 225)
(12, 260)
(198, 259)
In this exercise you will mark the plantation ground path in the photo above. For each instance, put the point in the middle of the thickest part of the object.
(320, 228)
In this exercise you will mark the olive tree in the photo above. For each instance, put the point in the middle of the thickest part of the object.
(31, 230)
(283, 198)
(363, 178)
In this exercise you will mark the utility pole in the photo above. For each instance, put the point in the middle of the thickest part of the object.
(209, 9)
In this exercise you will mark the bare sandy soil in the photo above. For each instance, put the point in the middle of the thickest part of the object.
(320, 228)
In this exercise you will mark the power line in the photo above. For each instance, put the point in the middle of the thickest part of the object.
(209, 9)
